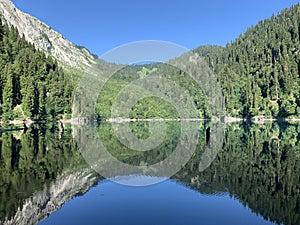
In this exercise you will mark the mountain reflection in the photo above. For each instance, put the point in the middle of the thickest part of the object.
(259, 164)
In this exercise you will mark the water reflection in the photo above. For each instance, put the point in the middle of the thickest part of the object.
(165, 203)
(257, 170)
(260, 166)
(110, 157)
(40, 171)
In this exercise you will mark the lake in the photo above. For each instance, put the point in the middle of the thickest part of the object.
(240, 174)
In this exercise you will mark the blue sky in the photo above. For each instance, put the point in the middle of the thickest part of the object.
(102, 25)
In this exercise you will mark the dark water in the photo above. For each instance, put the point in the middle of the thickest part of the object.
(253, 179)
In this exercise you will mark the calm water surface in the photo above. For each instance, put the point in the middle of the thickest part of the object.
(165, 203)
(253, 179)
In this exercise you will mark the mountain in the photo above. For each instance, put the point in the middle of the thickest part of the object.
(206, 50)
(259, 72)
(32, 85)
(46, 39)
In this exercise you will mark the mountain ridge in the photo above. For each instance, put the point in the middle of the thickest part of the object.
(258, 72)
(46, 39)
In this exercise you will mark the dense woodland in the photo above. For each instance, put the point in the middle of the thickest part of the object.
(260, 71)
(150, 107)
(31, 84)
(259, 74)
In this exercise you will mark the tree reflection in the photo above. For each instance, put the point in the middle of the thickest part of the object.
(259, 164)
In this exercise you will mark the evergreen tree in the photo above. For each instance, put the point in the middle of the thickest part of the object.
(8, 90)
(30, 79)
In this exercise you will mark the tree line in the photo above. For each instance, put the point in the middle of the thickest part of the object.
(260, 71)
(259, 74)
(32, 85)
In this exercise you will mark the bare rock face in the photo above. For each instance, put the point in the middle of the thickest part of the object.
(52, 197)
(46, 39)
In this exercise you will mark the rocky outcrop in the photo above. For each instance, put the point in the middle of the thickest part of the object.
(46, 39)
(52, 197)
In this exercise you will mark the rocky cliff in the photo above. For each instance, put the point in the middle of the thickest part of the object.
(52, 197)
(46, 39)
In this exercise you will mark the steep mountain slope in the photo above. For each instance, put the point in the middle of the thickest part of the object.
(44, 38)
(32, 86)
(260, 71)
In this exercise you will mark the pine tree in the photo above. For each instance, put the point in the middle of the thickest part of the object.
(8, 90)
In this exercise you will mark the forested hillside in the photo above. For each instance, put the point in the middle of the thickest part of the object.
(31, 84)
(259, 74)
(260, 71)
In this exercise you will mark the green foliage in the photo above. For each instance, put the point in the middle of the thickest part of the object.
(31, 80)
(150, 107)
(258, 74)
(259, 165)
(142, 131)
(30, 161)
(259, 71)
(153, 107)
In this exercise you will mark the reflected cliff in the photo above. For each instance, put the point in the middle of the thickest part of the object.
(257, 164)
(40, 170)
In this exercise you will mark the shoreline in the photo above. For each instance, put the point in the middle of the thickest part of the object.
(127, 120)
(80, 121)
(257, 120)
